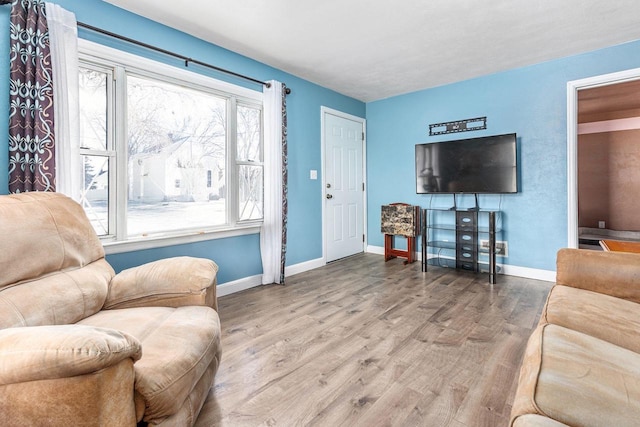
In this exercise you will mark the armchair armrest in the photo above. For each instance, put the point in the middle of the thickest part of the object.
(171, 282)
(61, 351)
(67, 375)
(611, 273)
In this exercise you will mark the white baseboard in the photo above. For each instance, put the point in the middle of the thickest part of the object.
(303, 266)
(253, 281)
(529, 273)
(509, 270)
(379, 250)
(239, 285)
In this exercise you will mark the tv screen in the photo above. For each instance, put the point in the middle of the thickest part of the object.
(476, 165)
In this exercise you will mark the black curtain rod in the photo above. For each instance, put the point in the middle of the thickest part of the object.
(169, 53)
(186, 59)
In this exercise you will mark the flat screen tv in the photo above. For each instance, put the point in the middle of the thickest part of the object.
(476, 165)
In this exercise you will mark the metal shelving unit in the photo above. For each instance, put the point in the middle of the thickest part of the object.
(455, 235)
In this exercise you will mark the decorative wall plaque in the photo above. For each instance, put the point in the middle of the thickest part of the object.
(467, 125)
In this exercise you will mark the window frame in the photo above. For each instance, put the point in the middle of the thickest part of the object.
(110, 150)
(248, 162)
(100, 57)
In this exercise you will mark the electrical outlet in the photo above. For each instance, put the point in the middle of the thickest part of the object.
(502, 247)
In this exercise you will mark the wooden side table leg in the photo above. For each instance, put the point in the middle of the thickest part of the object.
(387, 247)
(411, 247)
(410, 253)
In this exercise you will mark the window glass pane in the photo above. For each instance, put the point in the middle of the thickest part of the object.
(176, 135)
(249, 129)
(93, 109)
(250, 192)
(95, 192)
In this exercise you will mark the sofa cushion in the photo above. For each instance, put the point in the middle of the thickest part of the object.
(178, 345)
(58, 298)
(577, 379)
(51, 261)
(602, 316)
(55, 235)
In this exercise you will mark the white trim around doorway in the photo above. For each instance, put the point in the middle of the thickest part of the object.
(572, 140)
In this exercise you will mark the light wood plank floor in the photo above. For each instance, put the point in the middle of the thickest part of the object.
(361, 342)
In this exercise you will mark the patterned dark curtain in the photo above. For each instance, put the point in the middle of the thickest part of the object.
(31, 135)
(283, 254)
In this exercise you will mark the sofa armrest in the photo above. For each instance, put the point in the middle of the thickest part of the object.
(611, 273)
(171, 282)
(61, 351)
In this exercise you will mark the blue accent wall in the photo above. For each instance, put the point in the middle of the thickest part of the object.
(237, 257)
(530, 101)
(247, 262)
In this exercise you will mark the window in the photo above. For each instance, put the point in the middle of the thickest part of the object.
(249, 161)
(97, 154)
(166, 152)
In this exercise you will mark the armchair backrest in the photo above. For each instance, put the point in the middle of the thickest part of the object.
(52, 266)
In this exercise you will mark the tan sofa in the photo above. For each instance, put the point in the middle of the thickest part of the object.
(81, 346)
(582, 363)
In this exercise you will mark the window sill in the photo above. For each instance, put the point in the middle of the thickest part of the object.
(162, 241)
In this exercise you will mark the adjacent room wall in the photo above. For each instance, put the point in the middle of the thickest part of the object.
(531, 101)
(237, 257)
(624, 180)
(609, 180)
(593, 180)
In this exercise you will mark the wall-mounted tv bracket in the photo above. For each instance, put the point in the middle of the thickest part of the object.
(467, 125)
(455, 205)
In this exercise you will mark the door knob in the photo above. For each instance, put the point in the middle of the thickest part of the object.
(329, 196)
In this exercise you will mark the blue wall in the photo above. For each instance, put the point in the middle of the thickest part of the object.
(238, 257)
(530, 101)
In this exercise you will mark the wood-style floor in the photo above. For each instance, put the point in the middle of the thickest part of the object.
(361, 342)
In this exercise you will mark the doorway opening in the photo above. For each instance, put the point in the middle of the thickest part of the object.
(603, 156)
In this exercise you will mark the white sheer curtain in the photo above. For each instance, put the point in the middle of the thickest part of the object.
(63, 35)
(271, 234)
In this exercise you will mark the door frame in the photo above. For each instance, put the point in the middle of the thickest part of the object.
(323, 112)
(572, 140)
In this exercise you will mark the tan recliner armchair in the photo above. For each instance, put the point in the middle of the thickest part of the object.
(81, 346)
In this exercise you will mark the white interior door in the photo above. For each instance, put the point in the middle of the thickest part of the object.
(344, 186)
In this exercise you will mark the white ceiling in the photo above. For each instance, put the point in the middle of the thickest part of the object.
(375, 49)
